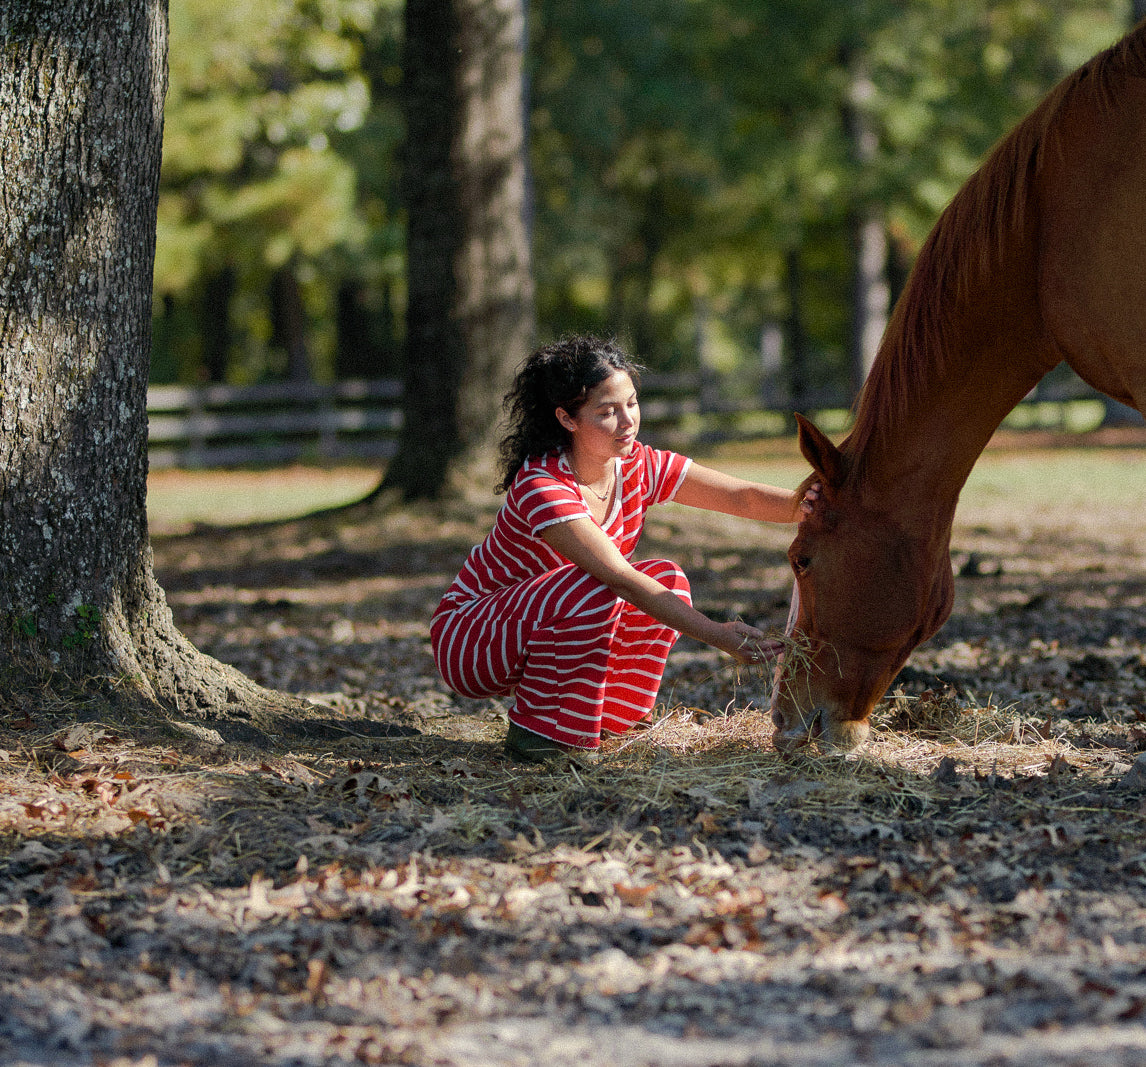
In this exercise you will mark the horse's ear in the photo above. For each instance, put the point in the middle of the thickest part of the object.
(824, 457)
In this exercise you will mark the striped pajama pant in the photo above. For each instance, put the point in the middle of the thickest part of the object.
(576, 657)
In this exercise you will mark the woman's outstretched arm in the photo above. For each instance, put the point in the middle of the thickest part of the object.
(714, 490)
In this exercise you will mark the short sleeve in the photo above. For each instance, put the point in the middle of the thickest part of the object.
(664, 473)
(541, 500)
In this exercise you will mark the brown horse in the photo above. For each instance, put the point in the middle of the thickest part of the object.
(1040, 258)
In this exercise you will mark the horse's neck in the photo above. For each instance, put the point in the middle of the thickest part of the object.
(916, 464)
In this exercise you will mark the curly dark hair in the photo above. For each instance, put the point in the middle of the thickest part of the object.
(559, 375)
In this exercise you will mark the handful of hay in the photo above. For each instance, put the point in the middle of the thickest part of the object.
(779, 656)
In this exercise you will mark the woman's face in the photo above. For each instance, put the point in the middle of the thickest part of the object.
(607, 423)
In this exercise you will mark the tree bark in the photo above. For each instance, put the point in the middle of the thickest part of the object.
(81, 113)
(470, 289)
(871, 292)
(796, 336)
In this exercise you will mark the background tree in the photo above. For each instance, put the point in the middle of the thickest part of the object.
(371, 278)
(259, 196)
(686, 150)
(469, 313)
(702, 171)
(81, 105)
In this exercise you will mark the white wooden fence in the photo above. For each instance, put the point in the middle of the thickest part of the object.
(228, 426)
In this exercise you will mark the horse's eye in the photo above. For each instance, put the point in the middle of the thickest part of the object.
(800, 564)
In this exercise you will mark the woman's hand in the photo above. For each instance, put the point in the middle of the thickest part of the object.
(746, 644)
(808, 502)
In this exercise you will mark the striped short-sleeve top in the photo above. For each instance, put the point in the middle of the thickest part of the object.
(544, 492)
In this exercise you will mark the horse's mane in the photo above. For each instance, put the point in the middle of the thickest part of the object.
(970, 235)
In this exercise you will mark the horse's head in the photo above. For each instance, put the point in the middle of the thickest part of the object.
(868, 591)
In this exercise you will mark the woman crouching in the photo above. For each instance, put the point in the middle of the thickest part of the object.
(549, 607)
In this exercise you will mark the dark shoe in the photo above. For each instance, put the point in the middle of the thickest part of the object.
(528, 747)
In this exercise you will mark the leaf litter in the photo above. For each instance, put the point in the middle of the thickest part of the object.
(969, 888)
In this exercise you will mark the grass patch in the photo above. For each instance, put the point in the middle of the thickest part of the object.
(178, 499)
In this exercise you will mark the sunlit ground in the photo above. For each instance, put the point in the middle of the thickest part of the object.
(1037, 488)
(176, 500)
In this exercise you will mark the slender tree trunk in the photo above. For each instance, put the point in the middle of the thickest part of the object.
(796, 335)
(81, 109)
(470, 300)
(870, 291)
(355, 353)
(215, 318)
(288, 323)
(867, 229)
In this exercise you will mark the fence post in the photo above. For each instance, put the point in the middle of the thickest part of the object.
(328, 423)
(709, 385)
(197, 429)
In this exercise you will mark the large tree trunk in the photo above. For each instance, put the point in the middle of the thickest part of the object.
(81, 110)
(470, 302)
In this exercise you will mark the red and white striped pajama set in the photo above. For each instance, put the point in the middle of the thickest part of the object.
(522, 619)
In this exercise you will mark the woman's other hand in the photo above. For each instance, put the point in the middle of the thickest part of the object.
(747, 645)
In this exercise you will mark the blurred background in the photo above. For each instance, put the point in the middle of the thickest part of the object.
(734, 188)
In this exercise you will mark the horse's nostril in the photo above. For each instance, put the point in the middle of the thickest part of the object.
(796, 727)
(811, 722)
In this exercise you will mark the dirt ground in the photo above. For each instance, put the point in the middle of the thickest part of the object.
(969, 889)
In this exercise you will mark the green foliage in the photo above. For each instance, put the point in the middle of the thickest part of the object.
(680, 147)
(86, 628)
(256, 173)
(680, 150)
(256, 91)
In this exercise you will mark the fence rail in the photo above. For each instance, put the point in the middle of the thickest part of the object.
(224, 425)
(228, 426)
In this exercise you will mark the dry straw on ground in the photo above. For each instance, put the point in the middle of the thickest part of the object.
(385, 887)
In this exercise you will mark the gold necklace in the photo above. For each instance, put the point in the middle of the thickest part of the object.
(585, 485)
